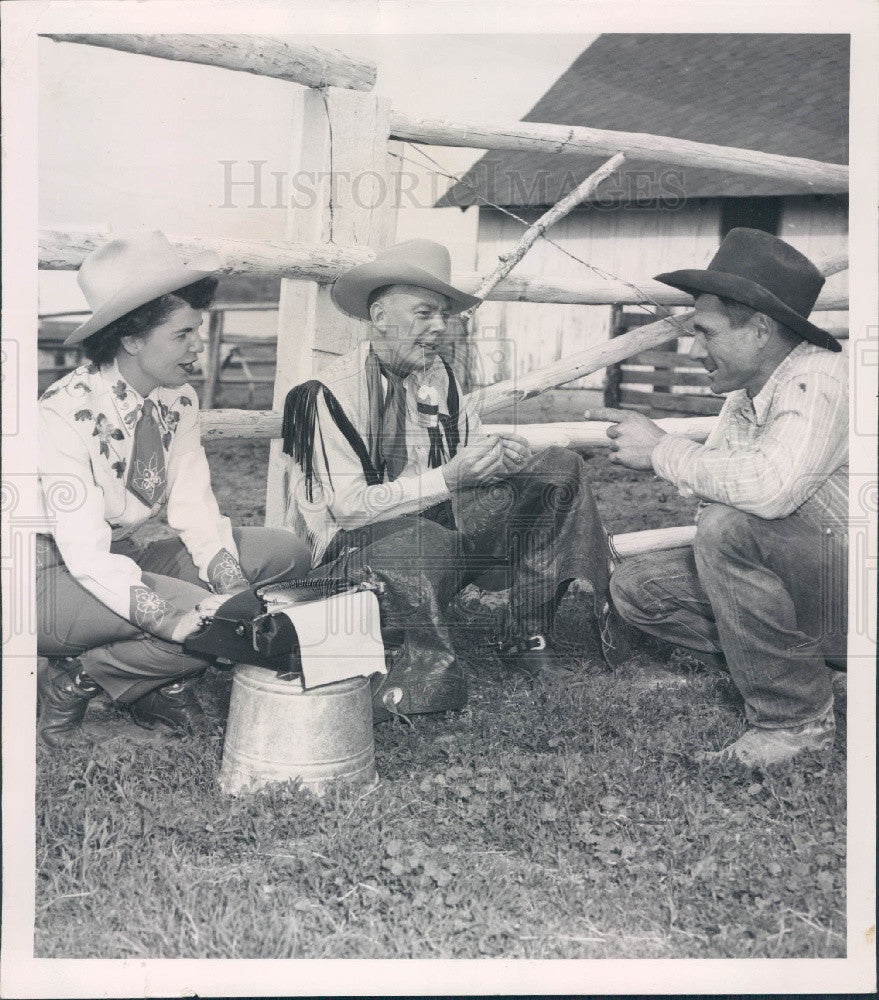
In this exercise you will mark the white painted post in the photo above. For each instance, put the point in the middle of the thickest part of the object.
(341, 154)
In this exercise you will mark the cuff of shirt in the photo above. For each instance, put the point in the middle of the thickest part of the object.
(668, 457)
(225, 574)
(152, 613)
(433, 486)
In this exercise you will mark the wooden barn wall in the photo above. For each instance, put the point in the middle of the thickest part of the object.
(632, 242)
(817, 226)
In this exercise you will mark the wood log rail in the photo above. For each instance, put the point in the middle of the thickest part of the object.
(599, 356)
(65, 250)
(635, 543)
(501, 393)
(266, 424)
(277, 56)
(598, 292)
(826, 178)
(578, 365)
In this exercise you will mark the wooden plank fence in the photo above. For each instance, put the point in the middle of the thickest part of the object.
(347, 128)
(648, 381)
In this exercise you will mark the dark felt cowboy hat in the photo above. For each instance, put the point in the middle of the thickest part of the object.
(765, 273)
(130, 271)
(416, 262)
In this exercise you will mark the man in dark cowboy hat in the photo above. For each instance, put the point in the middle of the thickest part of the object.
(391, 474)
(765, 583)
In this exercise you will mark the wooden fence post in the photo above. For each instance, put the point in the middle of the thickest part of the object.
(341, 161)
(612, 372)
(212, 359)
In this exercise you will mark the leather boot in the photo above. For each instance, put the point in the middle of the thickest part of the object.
(617, 638)
(64, 690)
(173, 705)
(530, 655)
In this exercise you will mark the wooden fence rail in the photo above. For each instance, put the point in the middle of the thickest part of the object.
(264, 55)
(634, 543)
(541, 137)
(266, 425)
(596, 292)
(569, 369)
(61, 250)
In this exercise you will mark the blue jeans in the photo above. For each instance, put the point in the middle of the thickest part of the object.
(771, 595)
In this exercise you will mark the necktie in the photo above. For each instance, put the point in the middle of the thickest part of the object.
(393, 445)
(146, 474)
(387, 419)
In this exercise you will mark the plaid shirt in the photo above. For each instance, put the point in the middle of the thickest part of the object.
(783, 451)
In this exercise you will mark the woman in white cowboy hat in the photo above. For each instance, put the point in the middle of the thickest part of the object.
(119, 444)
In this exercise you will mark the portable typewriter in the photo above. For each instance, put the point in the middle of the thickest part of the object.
(256, 626)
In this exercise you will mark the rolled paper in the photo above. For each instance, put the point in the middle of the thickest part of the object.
(427, 402)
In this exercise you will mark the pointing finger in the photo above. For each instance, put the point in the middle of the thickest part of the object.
(605, 413)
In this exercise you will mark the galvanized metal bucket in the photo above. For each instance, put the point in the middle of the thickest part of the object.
(278, 731)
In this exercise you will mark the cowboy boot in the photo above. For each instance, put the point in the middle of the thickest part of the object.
(64, 692)
(617, 637)
(529, 653)
(762, 747)
(526, 645)
(173, 705)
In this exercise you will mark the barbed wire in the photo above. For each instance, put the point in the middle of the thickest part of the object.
(646, 305)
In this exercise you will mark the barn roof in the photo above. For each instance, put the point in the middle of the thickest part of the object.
(783, 94)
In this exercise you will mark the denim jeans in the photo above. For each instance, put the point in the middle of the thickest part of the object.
(771, 595)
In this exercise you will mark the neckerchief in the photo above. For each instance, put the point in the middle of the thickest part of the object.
(146, 475)
(387, 419)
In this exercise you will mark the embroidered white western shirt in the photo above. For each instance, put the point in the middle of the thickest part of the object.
(86, 436)
(341, 497)
(785, 450)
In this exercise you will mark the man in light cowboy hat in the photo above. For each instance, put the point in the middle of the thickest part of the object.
(765, 583)
(119, 445)
(391, 475)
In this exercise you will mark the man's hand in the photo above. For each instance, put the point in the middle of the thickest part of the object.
(517, 452)
(191, 621)
(480, 462)
(633, 436)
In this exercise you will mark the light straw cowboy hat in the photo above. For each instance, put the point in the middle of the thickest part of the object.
(763, 272)
(416, 262)
(130, 271)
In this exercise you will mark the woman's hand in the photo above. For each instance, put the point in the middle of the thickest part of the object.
(192, 620)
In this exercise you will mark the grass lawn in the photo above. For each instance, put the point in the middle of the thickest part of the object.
(541, 822)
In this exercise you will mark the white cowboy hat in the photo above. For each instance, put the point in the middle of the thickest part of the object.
(130, 271)
(416, 262)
